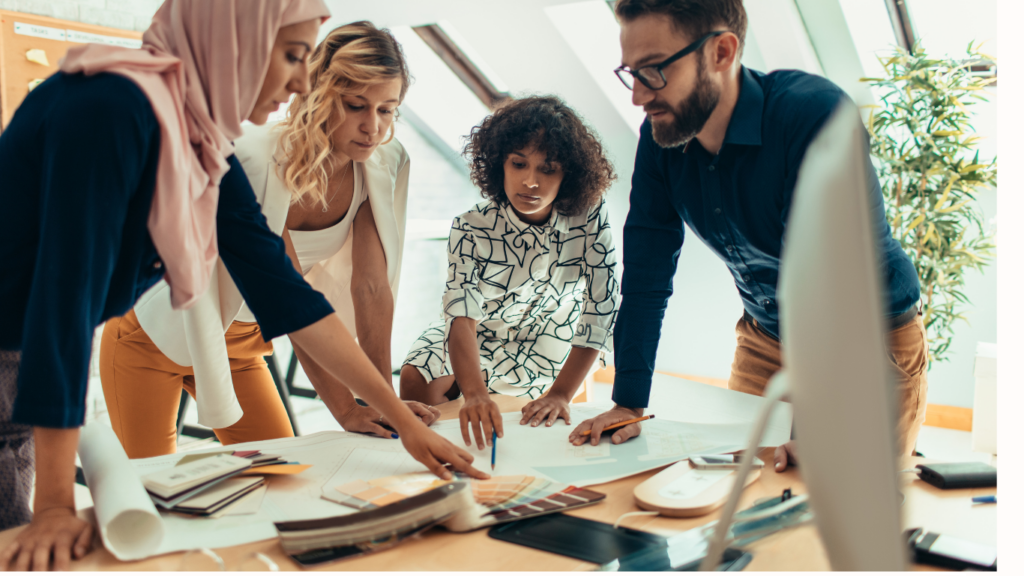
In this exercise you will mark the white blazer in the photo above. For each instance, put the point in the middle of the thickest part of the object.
(195, 337)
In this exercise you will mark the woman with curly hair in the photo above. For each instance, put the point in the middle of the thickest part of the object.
(531, 294)
(332, 181)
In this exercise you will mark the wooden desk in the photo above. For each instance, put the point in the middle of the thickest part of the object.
(948, 512)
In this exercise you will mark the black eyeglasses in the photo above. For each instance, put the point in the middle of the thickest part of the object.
(652, 75)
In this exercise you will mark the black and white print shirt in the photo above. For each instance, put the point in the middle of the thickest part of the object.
(535, 291)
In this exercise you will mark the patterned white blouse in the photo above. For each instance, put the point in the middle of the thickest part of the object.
(535, 291)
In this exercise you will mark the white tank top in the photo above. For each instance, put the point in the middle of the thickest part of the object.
(315, 246)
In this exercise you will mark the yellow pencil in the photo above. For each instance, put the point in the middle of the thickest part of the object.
(619, 425)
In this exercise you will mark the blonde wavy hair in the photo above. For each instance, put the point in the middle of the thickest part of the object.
(351, 58)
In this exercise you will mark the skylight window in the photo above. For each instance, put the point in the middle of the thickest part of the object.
(781, 36)
(591, 31)
(459, 62)
(872, 33)
(472, 55)
(946, 26)
(437, 96)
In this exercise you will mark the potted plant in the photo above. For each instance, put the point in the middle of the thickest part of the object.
(930, 171)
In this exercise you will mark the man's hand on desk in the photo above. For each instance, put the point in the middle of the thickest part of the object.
(56, 533)
(366, 419)
(785, 456)
(613, 416)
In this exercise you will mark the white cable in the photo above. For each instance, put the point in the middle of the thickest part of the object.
(777, 389)
(641, 513)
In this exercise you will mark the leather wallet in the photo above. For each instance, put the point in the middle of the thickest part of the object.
(958, 475)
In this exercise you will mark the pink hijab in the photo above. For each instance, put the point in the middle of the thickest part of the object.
(201, 65)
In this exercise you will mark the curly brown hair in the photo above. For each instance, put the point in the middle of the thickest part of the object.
(556, 130)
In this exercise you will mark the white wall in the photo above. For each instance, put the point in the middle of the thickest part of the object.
(521, 43)
(952, 382)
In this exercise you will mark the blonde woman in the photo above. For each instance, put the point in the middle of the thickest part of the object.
(332, 181)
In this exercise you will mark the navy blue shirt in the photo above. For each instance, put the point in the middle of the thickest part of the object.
(737, 202)
(78, 163)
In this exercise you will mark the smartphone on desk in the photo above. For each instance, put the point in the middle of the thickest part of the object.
(950, 552)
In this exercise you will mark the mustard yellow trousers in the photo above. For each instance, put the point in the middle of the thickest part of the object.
(142, 388)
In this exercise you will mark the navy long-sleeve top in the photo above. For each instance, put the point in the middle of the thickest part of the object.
(737, 202)
(78, 165)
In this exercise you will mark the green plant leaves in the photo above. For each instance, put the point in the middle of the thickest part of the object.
(929, 171)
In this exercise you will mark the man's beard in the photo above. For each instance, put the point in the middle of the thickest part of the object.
(691, 116)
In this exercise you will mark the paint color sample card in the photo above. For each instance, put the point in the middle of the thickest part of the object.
(499, 489)
(568, 499)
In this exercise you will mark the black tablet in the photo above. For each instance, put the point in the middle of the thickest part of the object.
(579, 538)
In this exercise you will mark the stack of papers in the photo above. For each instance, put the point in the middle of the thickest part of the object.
(171, 487)
(206, 484)
(219, 497)
(261, 463)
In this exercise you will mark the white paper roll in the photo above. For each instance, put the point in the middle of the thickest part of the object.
(129, 524)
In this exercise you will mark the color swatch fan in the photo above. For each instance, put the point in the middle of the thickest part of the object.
(505, 498)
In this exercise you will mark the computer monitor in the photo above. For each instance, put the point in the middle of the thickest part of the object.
(840, 383)
(834, 356)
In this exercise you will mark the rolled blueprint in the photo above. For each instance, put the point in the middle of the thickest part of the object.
(129, 523)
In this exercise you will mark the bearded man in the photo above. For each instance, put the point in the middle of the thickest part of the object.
(720, 150)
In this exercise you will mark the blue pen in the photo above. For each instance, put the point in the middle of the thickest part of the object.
(984, 499)
(494, 447)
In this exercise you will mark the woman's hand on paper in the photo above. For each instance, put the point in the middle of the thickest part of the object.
(549, 406)
(439, 455)
(56, 533)
(366, 419)
(428, 414)
(482, 415)
(598, 424)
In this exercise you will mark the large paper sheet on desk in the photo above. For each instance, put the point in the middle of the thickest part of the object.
(681, 400)
(132, 529)
(545, 451)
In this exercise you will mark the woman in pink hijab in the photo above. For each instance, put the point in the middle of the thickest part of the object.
(119, 171)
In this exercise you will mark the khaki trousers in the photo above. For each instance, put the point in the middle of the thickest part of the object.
(142, 388)
(759, 357)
